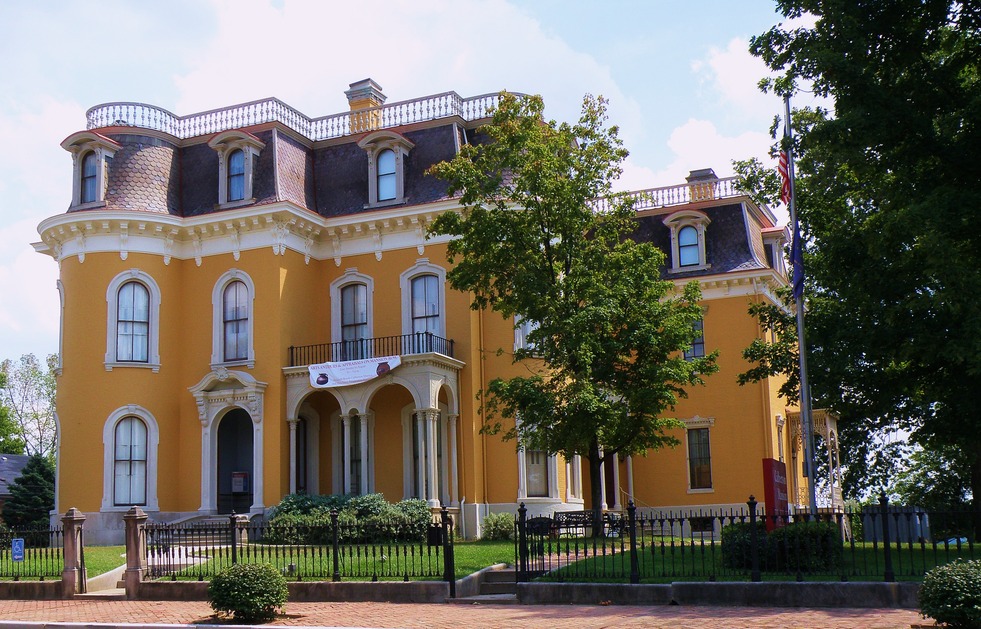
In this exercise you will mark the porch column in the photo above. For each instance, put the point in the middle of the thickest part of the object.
(363, 418)
(577, 476)
(454, 473)
(207, 473)
(432, 416)
(522, 475)
(292, 421)
(616, 484)
(419, 418)
(346, 455)
(602, 467)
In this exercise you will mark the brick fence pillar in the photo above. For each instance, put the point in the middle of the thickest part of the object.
(135, 547)
(73, 574)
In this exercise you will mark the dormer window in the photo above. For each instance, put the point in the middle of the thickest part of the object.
(387, 153)
(238, 156)
(688, 241)
(92, 153)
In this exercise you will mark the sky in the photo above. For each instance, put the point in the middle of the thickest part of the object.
(680, 82)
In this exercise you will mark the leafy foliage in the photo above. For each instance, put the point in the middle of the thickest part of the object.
(27, 392)
(497, 526)
(531, 243)
(10, 440)
(803, 546)
(951, 594)
(31, 495)
(884, 184)
(302, 519)
(249, 592)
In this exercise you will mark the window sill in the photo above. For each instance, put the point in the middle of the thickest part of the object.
(710, 490)
(250, 364)
(117, 365)
(538, 500)
(234, 204)
(91, 205)
(388, 203)
(124, 509)
(693, 267)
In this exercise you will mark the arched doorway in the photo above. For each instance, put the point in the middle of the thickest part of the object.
(235, 471)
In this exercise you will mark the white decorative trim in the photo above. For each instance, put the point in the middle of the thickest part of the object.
(108, 460)
(375, 143)
(61, 326)
(218, 328)
(422, 267)
(80, 145)
(224, 144)
(676, 222)
(215, 394)
(153, 329)
(350, 276)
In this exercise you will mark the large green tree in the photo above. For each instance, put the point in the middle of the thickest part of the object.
(31, 495)
(10, 439)
(532, 242)
(27, 390)
(889, 182)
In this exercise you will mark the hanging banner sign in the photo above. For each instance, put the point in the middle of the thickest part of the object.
(327, 375)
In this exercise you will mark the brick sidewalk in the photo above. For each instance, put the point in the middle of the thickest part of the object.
(457, 616)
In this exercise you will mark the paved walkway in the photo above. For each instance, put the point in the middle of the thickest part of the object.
(14, 615)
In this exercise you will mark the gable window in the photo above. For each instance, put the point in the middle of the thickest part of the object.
(697, 349)
(129, 462)
(386, 175)
(91, 154)
(236, 175)
(387, 154)
(235, 318)
(688, 241)
(233, 335)
(132, 323)
(238, 156)
(90, 166)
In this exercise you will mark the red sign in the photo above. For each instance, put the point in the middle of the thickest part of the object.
(775, 493)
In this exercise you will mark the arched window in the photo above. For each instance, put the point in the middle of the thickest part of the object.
(688, 246)
(129, 462)
(354, 321)
(386, 175)
(133, 323)
(425, 304)
(235, 321)
(236, 175)
(90, 178)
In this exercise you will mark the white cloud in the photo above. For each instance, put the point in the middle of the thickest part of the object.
(733, 75)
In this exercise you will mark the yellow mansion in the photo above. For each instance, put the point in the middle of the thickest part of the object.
(207, 261)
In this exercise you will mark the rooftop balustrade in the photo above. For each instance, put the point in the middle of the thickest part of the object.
(433, 107)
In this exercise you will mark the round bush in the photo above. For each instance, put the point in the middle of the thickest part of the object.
(249, 592)
(951, 594)
(498, 526)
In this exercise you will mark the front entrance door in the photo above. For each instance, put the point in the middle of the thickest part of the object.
(235, 473)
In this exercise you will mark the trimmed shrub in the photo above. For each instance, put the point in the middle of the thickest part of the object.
(497, 526)
(368, 505)
(364, 519)
(306, 504)
(737, 544)
(951, 594)
(249, 592)
(804, 546)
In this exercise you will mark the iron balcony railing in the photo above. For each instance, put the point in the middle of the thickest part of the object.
(405, 344)
(274, 110)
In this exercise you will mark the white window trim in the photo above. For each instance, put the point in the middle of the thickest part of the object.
(351, 276)
(422, 267)
(687, 218)
(375, 143)
(552, 463)
(224, 144)
(153, 330)
(523, 327)
(698, 422)
(80, 144)
(108, 448)
(218, 328)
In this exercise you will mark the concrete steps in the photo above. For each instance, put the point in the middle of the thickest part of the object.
(497, 587)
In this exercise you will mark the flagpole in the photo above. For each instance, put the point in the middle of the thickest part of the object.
(807, 420)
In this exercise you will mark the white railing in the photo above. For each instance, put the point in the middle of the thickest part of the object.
(676, 195)
(274, 110)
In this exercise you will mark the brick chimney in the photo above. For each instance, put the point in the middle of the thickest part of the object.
(365, 95)
(702, 184)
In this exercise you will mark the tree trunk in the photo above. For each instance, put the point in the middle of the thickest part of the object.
(596, 488)
(976, 492)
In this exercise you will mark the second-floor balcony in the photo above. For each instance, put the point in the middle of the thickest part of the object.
(342, 351)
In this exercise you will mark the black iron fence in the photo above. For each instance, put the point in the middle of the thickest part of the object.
(876, 543)
(402, 345)
(336, 551)
(35, 553)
